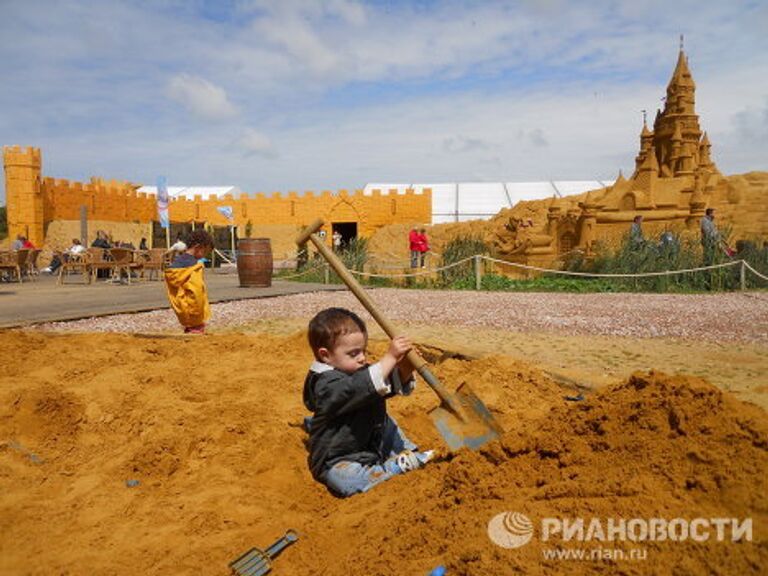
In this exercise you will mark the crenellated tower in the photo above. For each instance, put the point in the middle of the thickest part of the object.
(23, 191)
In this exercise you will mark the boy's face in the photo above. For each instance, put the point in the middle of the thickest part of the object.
(348, 354)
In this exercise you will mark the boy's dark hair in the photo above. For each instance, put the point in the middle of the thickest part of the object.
(199, 238)
(327, 325)
(709, 211)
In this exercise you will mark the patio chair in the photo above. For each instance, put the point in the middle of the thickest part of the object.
(99, 260)
(122, 261)
(154, 263)
(13, 263)
(30, 267)
(75, 263)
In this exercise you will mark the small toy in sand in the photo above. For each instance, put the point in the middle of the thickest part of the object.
(257, 562)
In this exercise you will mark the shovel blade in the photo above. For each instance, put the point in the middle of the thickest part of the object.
(476, 428)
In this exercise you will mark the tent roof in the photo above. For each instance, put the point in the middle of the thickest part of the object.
(461, 201)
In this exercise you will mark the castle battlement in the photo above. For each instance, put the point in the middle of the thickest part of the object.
(34, 201)
(17, 156)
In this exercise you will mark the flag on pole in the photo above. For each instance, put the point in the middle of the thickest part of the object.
(226, 211)
(162, 202)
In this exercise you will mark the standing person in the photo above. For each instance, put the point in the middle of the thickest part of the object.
(337, 241)
(636, 238)
(143, 244)
(353, 443)
(185, 283)
(710, 236)
(18, 244)
(423, 244)
(413, 246)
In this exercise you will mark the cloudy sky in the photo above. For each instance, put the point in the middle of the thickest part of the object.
(308, 95)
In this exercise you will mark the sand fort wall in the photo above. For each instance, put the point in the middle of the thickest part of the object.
(39, 205)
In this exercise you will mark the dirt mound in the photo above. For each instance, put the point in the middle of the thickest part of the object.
(158, 455)
(653, 447)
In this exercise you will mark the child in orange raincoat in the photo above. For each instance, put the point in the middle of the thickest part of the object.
(186, 284)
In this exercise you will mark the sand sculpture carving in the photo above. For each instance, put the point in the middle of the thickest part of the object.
(674, 181)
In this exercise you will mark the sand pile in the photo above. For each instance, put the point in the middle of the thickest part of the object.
(209, 427)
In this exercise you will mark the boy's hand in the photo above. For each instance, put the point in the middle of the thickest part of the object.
(399, 346)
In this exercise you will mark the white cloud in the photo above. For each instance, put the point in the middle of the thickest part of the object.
(354, 91)
(462, 144)
(200, 97)
(254, 142)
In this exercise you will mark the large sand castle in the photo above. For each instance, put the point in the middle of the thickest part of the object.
(675, 180)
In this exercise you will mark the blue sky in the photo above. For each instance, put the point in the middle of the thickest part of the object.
(308, 95)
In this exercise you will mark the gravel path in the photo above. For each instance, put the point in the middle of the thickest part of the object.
(732, 317)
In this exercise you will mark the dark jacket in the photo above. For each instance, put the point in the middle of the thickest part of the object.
(349, 414)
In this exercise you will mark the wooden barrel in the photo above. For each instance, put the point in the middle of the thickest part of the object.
(254, 262)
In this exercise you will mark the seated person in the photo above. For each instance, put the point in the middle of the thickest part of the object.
(56, 262)
(354, 444)
(101, 240)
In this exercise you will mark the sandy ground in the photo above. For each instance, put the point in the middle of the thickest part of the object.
(209, 427)
(594, 339)
(590, 361)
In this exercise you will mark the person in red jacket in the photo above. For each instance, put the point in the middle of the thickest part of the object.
(413, 246)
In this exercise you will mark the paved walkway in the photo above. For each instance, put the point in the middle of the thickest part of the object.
(42, 300)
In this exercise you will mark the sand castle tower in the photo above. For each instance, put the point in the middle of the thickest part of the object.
(681, 148)
(23, 191)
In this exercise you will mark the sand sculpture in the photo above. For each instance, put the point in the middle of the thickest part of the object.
(674, 181)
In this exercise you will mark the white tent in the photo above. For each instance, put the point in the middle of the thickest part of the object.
(461, 201)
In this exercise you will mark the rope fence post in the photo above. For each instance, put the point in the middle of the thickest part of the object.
(478, 272)
(743, 276)
(326, 274)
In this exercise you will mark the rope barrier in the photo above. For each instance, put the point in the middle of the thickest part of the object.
(413, 274)
(543, 270)
(755, 272)
(599, 275)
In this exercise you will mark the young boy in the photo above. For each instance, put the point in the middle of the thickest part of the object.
(186, 284)
(354, 445)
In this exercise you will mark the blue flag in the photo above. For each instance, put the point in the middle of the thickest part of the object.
(162, 202)
(226, 211)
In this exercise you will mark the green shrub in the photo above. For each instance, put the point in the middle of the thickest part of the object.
(457, 250)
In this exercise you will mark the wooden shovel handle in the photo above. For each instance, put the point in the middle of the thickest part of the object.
(419, 364)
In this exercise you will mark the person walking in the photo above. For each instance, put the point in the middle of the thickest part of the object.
(710, 236)
(636, 238)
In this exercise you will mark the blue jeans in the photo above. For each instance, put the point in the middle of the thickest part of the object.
(347, 478)
(415, 254)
